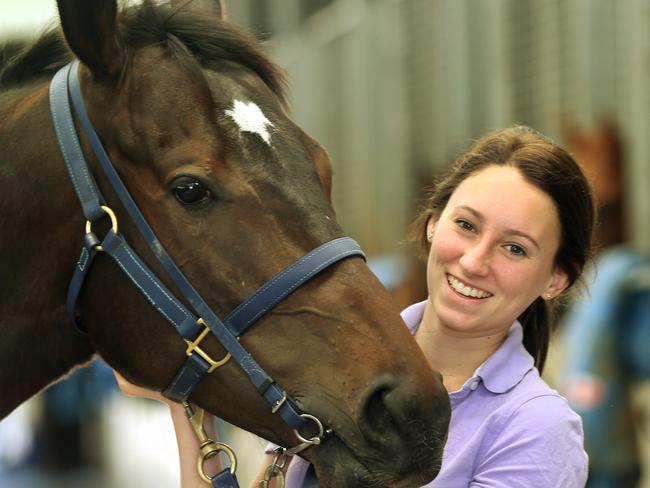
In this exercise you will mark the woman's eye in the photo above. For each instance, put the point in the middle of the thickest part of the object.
(191, 192)
(464, 224)
(515, 250)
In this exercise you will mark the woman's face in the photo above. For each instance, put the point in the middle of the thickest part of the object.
(492, 252)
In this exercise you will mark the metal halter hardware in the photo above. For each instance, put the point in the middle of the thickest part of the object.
(209, 447)
(194, 323)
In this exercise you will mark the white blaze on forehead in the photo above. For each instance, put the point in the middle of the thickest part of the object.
(250, 118)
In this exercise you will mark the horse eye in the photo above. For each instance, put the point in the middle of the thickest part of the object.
(191, 192)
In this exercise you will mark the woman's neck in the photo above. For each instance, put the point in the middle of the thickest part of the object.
(453, 353)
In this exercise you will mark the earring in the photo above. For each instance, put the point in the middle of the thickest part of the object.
(549, 296)
(429, 236)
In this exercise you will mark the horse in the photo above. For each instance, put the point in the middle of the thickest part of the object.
(195, 120)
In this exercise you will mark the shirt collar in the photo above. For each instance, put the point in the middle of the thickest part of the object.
(412, 315)
(502, 370)
(509, 364)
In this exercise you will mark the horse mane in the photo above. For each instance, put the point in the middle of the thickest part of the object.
(21, 61)
(9, 49)
(181, 31)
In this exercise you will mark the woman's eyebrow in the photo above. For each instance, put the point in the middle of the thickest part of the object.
(513, 232)
(474, 212)
(516, 232)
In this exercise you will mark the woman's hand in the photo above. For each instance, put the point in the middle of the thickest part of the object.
(129, 389)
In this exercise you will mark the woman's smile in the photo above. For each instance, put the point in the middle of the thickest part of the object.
(466, 290)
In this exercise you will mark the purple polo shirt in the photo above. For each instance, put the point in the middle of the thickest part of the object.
(508, 428)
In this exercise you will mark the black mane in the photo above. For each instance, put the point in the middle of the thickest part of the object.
(22, 61)
(181, 31)
(9, 50)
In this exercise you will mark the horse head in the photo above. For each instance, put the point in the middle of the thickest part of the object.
(194, 119)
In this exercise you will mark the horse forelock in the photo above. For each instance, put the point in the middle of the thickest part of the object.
(193, 37)
(184, 32)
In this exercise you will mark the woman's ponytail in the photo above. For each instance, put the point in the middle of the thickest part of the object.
(537, 331)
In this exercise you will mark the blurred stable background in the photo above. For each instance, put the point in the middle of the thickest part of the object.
(394, 89)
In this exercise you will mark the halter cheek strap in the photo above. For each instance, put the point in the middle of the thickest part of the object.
(195, 322)
(263, 300)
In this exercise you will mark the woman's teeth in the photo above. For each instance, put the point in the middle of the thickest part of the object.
(465, 290)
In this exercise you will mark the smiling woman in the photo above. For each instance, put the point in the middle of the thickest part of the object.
(487, 266)
(559, 192)
(507, 230)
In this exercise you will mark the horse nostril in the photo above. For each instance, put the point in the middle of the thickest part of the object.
(379, 422)
(399, 419)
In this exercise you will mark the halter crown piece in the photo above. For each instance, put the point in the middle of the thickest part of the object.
(194, 323)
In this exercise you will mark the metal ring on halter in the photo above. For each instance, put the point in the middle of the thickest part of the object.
(215, 448)
(314, 440)
(111, 214)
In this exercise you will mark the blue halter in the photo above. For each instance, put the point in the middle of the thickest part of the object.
(195, 323)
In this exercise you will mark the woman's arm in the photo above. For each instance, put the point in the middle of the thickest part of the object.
(188, 444)
(189, 447)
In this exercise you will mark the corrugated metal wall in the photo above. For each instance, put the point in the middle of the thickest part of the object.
(396, 88)
(541, 63)
(349, 90)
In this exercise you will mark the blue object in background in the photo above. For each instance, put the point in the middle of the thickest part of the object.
(607, 337)
(72, 407)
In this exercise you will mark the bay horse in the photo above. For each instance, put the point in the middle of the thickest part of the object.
(194, 118)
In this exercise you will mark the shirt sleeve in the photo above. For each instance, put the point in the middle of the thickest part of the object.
(541, 445)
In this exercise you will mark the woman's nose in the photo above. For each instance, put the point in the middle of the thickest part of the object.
(476, 260)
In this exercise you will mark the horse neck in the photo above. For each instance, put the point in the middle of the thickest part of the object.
(42, 227)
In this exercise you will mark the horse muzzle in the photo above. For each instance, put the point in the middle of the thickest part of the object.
(400, 433)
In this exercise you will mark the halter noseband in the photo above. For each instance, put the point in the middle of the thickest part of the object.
(194, 323)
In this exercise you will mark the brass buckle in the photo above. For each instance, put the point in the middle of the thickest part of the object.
(194, 346)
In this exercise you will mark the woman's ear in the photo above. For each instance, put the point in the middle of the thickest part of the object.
(557, 284)
(431, 226)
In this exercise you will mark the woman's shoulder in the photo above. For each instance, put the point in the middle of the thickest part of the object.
(538, 437)
(535, 414)
(539, 430)
(544, 409)
(526, 436)
(534, 401)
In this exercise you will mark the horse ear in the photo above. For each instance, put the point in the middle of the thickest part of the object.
(90, 28)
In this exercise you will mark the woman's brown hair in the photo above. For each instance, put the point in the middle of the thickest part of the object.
(551, 169)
